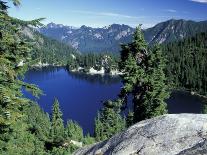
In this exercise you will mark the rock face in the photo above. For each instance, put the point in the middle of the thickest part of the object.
(173, 134)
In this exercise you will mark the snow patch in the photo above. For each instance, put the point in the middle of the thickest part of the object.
(93, 71)
(40, 64)
(162, 40)
(121, 34)
(115, 72)
(73, 56)
(20, 64)
(63, 37)
(69, 32)
(75, 44)
(98, 36)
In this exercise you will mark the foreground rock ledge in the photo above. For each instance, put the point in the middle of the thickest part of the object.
(173, 134)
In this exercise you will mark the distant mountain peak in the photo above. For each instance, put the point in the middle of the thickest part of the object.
(54, 25)
(108, 38)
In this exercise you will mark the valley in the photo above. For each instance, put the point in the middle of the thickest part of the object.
(114, 77)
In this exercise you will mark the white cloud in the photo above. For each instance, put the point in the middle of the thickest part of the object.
(199, 1)
(171, 10)
(108, 14)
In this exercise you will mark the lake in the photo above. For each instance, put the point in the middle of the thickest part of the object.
(81, 95)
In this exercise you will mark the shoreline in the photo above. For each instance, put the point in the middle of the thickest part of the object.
(203, 97)
(91, 71)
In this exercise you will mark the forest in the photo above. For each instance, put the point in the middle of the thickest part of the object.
(108, 61)
(149, 74)
(186, 66)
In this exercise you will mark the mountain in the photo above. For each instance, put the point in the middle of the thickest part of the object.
(174, 30)
(47, 50)
(88, 39)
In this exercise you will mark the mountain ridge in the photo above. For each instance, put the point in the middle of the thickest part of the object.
(109, 38)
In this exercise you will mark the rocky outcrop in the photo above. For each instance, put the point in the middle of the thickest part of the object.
(173, 134)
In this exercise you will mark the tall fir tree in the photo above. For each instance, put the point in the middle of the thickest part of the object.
(57, 126)
(143, 78)
(15, 137)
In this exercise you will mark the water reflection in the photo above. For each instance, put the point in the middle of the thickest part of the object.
(94, 79)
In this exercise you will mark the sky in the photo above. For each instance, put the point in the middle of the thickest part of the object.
(100, 13)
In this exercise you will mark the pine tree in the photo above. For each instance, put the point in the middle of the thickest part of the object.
(143, 78)
(15, 137)
(74, 131)
(57, 126)
(158, 91)
(109, 121)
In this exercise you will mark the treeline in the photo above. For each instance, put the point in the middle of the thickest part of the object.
(93, 60)
(186, 66)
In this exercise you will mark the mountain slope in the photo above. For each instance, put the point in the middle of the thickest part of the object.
(173, 30)
(48, 50)
(87, 39)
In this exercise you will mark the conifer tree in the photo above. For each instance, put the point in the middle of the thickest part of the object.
(143, 78)
(57, 126)
(109, 121)
(15, 137)
(74, 131)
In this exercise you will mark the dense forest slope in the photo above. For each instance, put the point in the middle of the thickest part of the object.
(187, 63)
(47, 50)
(87, 39)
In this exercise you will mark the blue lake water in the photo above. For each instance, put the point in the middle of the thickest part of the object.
(81, 95)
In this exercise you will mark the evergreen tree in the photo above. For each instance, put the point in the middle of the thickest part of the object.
(38, 121)
(143, 78)
(15, 137)
(157, 91)
(57, 126)
(109, 121)
(74, 131)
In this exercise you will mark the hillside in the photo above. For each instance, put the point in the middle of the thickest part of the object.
(47, 50)
(88, 39)
(186, 67)
(173, 30)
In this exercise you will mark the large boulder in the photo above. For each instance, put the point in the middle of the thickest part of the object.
(173, 134)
